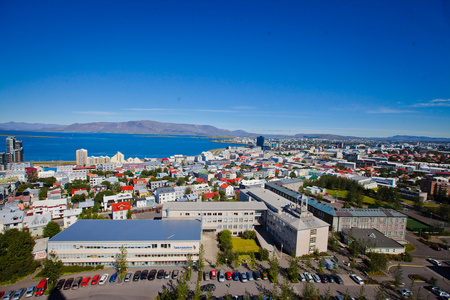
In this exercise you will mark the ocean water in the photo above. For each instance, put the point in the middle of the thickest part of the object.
(54, 146)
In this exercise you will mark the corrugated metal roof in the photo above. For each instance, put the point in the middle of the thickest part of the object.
(130, 230)
(214, 205)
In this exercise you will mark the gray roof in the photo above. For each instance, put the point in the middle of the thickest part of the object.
(376, 238)
(368, 212)
(214, 205)
(130, 231)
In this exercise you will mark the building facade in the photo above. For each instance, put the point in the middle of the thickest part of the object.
(148, 242)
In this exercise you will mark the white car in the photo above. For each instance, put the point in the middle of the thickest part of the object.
(434, 262)
(103, 279)
(405, 293)
(316, 277)
(221, 276)
(128, 277)
(301, 277)
(357, 279)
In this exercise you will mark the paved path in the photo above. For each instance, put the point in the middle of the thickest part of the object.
(211, 247)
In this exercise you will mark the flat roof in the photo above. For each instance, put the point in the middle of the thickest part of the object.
(214, 205)
(130, 231)
(376, 238)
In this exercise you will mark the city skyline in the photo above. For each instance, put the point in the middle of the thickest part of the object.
(369, 69)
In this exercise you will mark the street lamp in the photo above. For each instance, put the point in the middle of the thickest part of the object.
(431, 215)
(226, 261)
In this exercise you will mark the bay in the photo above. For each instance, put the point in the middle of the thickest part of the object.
(62, 146)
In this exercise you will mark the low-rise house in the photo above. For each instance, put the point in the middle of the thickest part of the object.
(36, 224)
(144, 202)
(86, 204)
(157, 184)
(227, 189)
(373, 240)
(55, 206)
(11, 217)
(71, 216)
(109, 200)
(120, 210)
(79, 192)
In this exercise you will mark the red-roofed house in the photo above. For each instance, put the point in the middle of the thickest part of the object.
(210, 196)
(199, 180)
(120, 210)
(79, 192)
(228, 189)
(127, 188)
(140, 182)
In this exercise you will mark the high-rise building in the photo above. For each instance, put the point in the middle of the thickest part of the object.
(14, 150)
(260, 141)
(82, 158)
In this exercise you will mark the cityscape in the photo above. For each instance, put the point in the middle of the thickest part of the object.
(225, 150)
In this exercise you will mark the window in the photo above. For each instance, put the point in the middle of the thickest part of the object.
(313, 231)
(312, 240)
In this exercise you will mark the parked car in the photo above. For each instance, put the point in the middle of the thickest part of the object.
(60, 284)
(441, 293)
(76, 283)
(68, 283)
(257, 275)
(167, 274)
(19, 294)
(95, 279)
(405, 293)
(249, 276)
(357, 279)
(160, 274)
(308, 277)
(2, 293)
(264, 276)
(434, 262)
(8, 295)
(229, 275)
(221, 276)
(301, 277)
(205, 276)
(103, 278)
(113, 277)
(208, 287)
(144, 275)
(323, 278)
(41, 287)
(437, 248)
(128, 277)
(175, 274)
(137, 275)
(85, 281)
(213, 274)
(235, 276)
(243, 277)
(338, 279)
(330, 278)
(31, 290)
(152, 274)
(316, 278)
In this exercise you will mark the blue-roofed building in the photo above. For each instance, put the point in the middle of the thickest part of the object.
(148, 242)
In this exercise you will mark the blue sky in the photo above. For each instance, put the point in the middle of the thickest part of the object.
(363, 68)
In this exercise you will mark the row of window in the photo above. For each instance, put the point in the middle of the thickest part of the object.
(225, 220)
(113, 255)
(217, 214)
(112, 246)
(240, 226)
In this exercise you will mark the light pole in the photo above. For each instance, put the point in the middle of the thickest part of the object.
(431, 216)
(226, 261)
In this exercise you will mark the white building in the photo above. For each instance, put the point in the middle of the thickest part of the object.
(109, 200)
(82, 157)
(37, 223)
(71, 216)
(54, 206)
(11, 217)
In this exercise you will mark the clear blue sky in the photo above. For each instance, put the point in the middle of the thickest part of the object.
(364, 68)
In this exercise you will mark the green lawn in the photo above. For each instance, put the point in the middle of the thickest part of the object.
(411, 224)
(242, 245)
(343, 194)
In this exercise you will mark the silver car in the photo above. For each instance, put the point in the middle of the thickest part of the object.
(19, 294)
(127, 277)
(30, 291)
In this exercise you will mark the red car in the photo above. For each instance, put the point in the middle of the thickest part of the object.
(85, 281)
(95, 279)
(213, 274)
(2, 293)
(228, 275)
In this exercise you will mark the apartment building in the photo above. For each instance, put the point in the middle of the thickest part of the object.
(120, 210)
(109, 200)
(167, 194)
(54, 206)
(218, 215)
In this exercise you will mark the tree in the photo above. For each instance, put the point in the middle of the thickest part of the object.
(21, 188)
(216, 197)
(51, 229)
(362, 293)
(201, 259)
(273, 268)
(189, 265)
(129, 214)
(121, 262)
(381, 292)
(43, 193)
(287, 292)
(78, 198)
(249, 235)
(188, 191)
(263, 254)
(309, 291)
(16, 258)
(225, 240)
(376, 262)
(293, 270)
(52, 268)
(398, 276)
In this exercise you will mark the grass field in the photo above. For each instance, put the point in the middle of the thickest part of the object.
(242, 245)
(343, 194)
(411, 224)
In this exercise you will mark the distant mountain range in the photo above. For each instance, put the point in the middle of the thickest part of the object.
(159, 128)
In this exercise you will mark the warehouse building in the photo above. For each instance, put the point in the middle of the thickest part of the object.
(148, 242)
